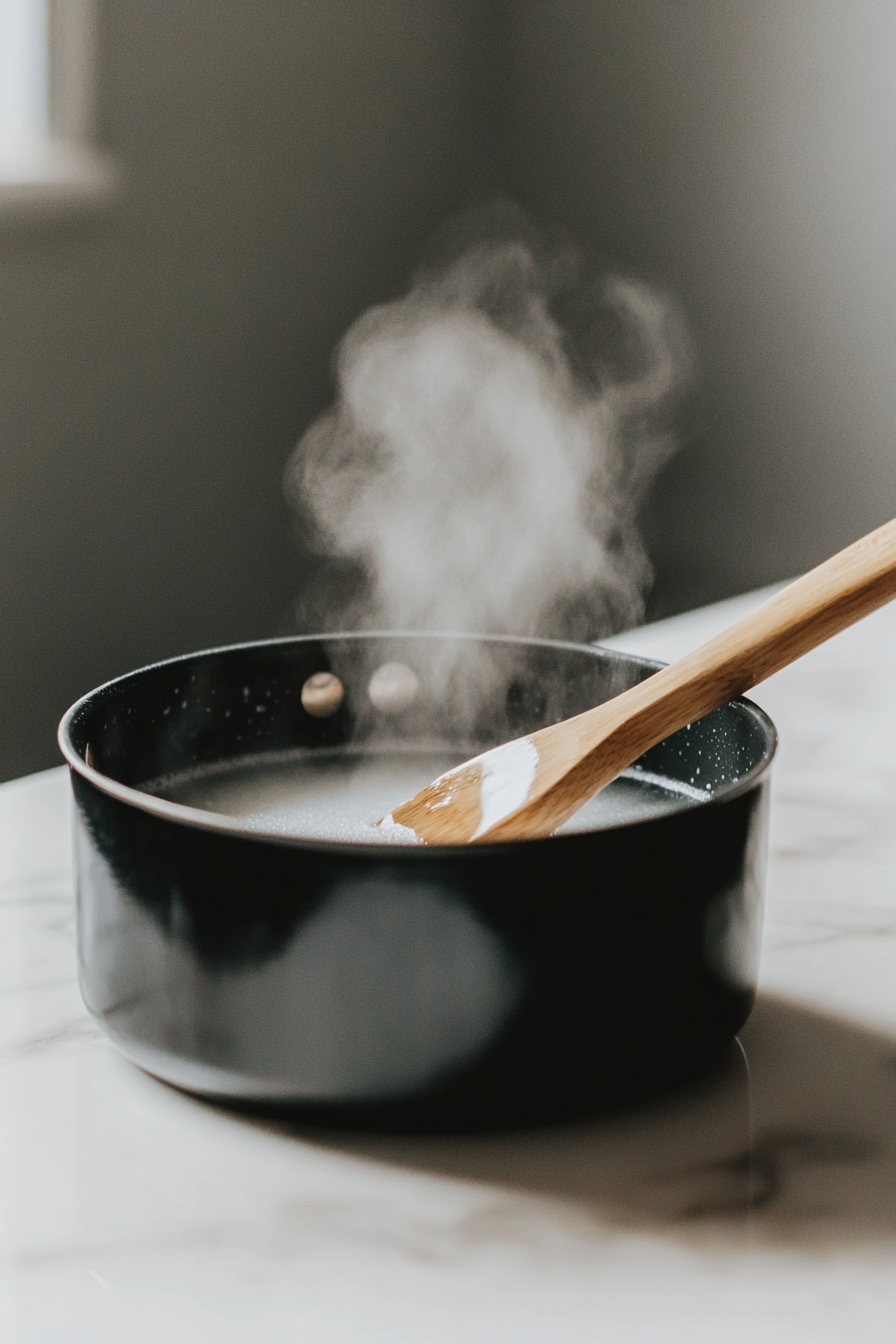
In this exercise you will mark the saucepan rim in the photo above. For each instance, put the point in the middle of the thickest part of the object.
(198, 819)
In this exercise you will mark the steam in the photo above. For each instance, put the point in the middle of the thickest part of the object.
(493, 436)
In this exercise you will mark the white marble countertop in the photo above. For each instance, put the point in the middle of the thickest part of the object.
(759, 1206)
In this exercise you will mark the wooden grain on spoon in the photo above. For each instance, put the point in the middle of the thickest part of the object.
(529, 787)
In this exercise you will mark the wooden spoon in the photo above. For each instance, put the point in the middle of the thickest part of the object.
(529, 787)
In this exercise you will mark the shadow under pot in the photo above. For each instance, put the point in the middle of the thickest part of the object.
(245, 935)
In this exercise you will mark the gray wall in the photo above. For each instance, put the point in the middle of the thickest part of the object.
(742, 152)
(283, 162)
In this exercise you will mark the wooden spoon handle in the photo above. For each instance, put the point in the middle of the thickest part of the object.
(558, 767)
(803, 615)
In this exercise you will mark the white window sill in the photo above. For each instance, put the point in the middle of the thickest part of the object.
(55, 178)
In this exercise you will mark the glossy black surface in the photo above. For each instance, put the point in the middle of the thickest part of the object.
(405, 987)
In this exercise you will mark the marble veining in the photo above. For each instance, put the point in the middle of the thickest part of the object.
(759, 1205)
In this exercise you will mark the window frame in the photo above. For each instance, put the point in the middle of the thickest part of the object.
(66, 170)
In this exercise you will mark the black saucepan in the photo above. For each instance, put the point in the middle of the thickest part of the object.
(398, 987)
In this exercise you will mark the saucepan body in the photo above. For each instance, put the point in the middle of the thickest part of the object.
(399, 986)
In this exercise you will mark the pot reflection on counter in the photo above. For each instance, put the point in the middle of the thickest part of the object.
(404, 986)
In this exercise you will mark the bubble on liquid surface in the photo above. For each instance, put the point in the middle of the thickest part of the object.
(322, 695)
(393, 687)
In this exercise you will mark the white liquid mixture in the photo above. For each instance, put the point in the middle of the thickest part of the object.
(339, 794)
